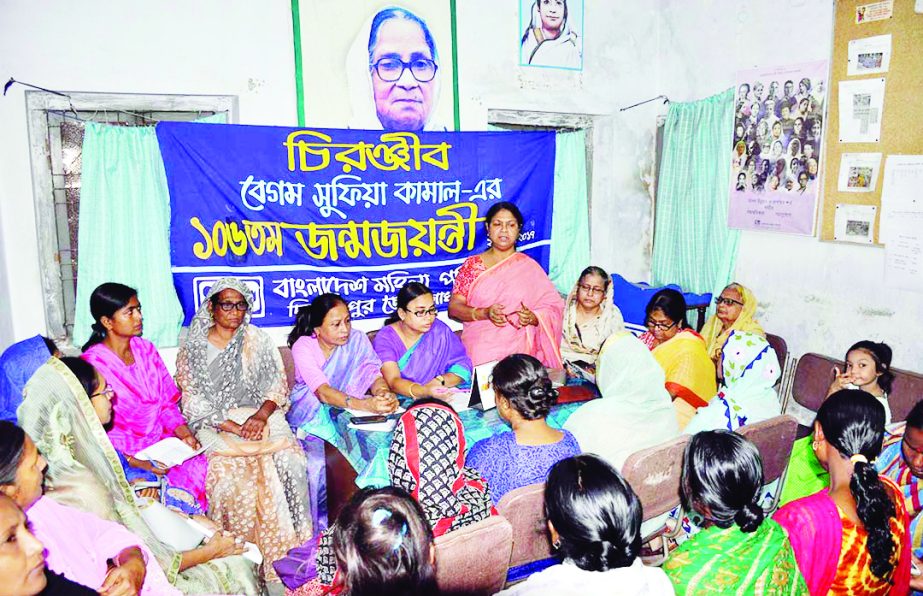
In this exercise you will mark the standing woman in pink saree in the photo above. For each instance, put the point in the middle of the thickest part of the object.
(147, 409)
(504, 298)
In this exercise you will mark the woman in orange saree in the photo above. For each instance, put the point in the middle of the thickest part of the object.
(504, 298)
(690, 373)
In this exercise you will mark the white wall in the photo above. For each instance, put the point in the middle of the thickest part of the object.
(620, 68)
(175, 47)
(820, 296)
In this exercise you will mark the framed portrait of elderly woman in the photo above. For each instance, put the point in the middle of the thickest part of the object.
(551, 33)
(374, 65)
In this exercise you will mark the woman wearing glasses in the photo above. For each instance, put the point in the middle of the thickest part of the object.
(590, 317)
(235, 394)
(421, 356)
(147, 409)
(680, 351)
(393, 74)
(735, 311)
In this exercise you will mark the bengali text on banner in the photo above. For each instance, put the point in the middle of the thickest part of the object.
(296, 213)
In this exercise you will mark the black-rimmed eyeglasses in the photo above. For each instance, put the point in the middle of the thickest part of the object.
(728, 301)
(391, 69)
(229, 306)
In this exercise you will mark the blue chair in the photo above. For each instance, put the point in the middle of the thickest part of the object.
(632, 299)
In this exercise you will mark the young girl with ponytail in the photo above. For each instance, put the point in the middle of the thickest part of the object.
(595, 523)
(850, 538)
(524, 397)
(738, 552)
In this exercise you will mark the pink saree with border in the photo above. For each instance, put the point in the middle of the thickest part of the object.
(514, 281)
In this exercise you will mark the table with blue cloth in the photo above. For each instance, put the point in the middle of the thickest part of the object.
(359, 458)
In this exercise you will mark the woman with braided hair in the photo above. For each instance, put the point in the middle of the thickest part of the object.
(738, 552)
(852, 537)
(594, 518)
(512, 459)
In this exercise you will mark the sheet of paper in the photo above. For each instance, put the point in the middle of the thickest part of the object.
(904, 256)
(251, 552)
(170, 452)
(859, 172)
(876, 11)
(861, 103)
(901, 199)
(854, 223)
(869, 55)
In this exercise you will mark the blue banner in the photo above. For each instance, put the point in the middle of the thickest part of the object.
(296, 213)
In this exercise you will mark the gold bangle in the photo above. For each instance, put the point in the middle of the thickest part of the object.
(474, 314)
(411, 391)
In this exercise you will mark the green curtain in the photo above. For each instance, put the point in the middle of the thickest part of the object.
(570, 221)
(124, 230)
(693, 246)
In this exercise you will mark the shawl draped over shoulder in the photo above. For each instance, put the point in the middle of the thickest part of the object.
(584, 343)
(715, 337)
(751, 369)
(84, 472)
(635, 410)
(516, 280)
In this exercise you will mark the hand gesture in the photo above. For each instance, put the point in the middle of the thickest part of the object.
(149, 466)
(841, 380)
(441, 392)
(185, 435)
(496, 315)
(526, 316)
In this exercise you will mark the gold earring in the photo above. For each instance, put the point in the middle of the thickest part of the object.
(814, 445)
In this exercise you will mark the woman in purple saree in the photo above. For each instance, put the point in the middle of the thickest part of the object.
(421, 356)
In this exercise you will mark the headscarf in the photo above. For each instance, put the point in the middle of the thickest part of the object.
(17, 364)
(715, 338)
(84, 472)
(751, 370)
(610, 321)
(635, 410)
(427, 459)
(243, 374)
(532, 40)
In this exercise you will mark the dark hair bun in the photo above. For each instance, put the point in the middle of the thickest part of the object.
(524, 382)
(749, 518)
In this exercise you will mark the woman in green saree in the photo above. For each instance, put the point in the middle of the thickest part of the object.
(84, 472)
(738, 552)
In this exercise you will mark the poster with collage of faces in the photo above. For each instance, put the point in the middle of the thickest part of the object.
(775, 153)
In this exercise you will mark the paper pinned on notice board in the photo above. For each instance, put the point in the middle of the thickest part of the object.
(869, 55)
(901, 200)
(861, 105)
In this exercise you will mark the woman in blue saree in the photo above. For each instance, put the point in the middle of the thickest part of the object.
(420, 355)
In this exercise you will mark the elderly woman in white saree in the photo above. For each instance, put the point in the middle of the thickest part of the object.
(635, 411)
(234, 396)
(84, 472)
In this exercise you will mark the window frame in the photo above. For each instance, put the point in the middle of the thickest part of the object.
(38, 104)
